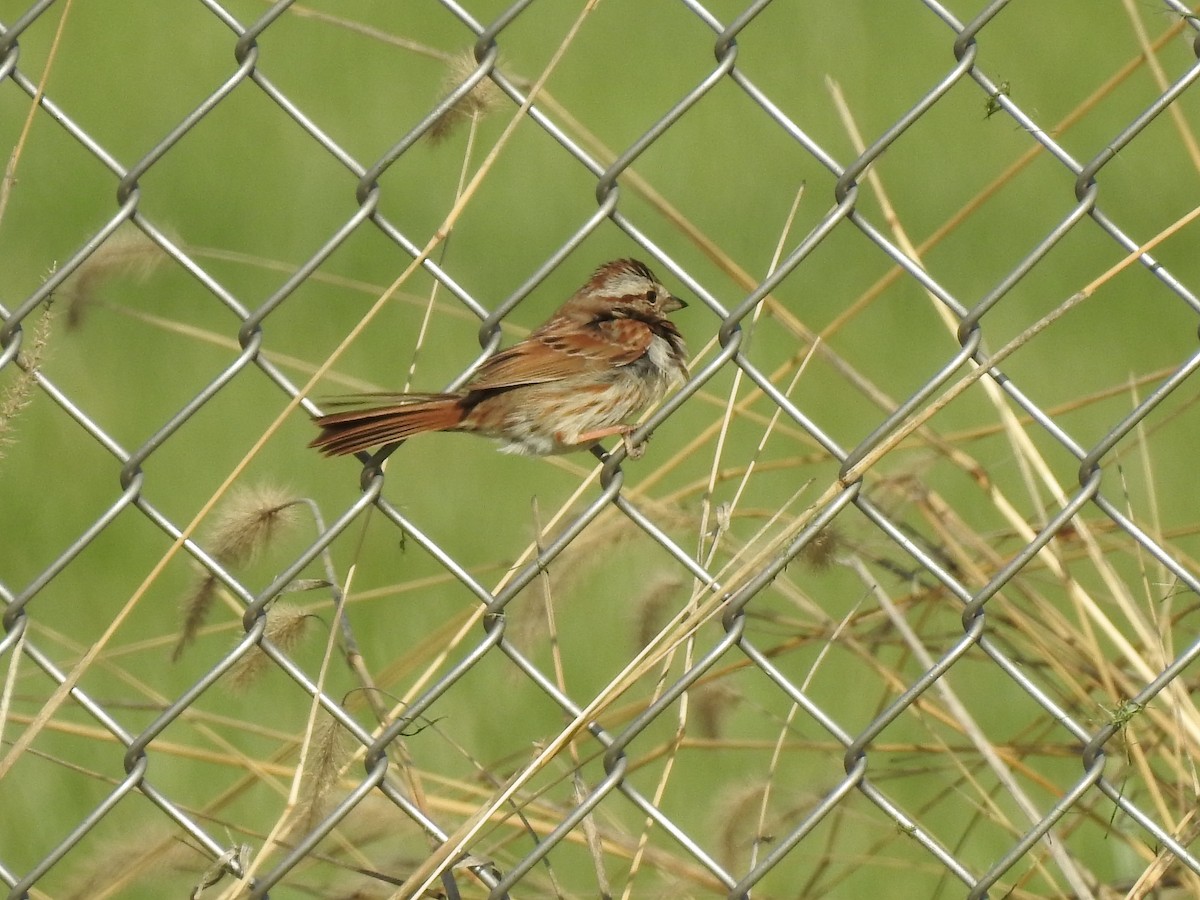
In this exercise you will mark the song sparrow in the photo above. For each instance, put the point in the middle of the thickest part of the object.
(608, 353)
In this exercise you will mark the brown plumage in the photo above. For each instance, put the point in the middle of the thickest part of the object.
(607, 354)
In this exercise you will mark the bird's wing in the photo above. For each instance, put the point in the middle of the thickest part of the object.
(565, 349)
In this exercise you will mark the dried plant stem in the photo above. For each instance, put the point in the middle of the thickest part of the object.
(438, 238)
(981, 369)
(730, 403)
(20, 392)
(689, 644)
(670, 754)
(288, 817)
(1066, 123)
(1150, 54)
(785, 730)
(10, 680)
(55, 701)
(471, 621)
(1025, 452)
(675, 633)
(965, 723)
(1113, 634)
(1186, 832)
(411, 774)
(430, 305)
(1023, 446)
(10, 169)
(376, 34)
(224, 342)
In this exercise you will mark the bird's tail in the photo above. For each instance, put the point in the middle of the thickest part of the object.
(361, 429)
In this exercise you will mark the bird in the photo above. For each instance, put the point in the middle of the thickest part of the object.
(607, 353)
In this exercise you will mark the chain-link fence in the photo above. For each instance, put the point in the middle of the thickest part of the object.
(900, 599)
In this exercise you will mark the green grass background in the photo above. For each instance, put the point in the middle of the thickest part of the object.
(248, 181)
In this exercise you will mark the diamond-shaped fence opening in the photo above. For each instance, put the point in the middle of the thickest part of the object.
(900, 599)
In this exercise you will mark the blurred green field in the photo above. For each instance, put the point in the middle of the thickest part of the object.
(250, 197)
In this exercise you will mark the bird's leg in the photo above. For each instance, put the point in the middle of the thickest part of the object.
(632, 450)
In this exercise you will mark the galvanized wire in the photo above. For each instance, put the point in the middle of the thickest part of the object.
(378, 779)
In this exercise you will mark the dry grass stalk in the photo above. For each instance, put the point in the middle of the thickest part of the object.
(287, 627)
(1087, 673)
(250, 520)
(328, 755)
(734, 815)
(650, 607)
(128, 253)
(153, 854)
(712, 703)
(822, 551)
(195, 605)
(19, 393)
(482, 99)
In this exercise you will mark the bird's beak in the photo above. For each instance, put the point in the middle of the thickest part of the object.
(673, 303)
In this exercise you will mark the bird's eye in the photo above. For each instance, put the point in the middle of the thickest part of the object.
(651, 297)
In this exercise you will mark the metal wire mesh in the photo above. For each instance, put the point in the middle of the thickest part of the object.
(969, 671)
